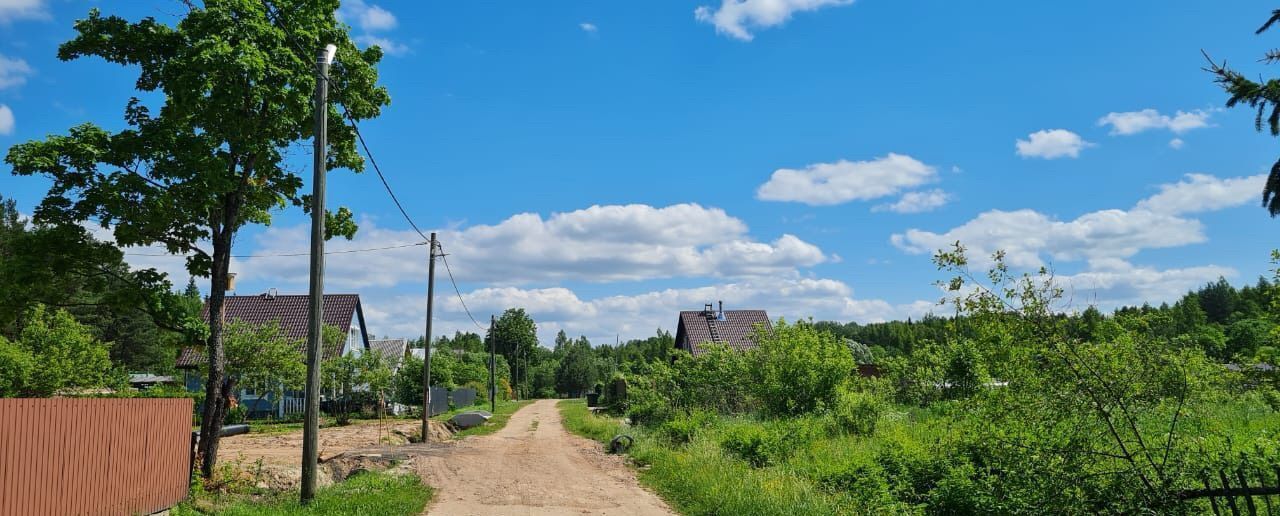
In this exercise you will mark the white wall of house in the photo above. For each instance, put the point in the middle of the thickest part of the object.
(355, 339)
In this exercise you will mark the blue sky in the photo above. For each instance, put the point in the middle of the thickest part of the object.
(605, 164)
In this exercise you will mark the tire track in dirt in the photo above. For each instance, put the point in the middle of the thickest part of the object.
(534, 470)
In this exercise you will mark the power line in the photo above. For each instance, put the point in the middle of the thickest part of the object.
(355, 127)
(283, 255)
(456, 290)
(346, 113)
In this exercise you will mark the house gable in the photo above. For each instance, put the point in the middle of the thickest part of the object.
(733, 328)
(292, 312)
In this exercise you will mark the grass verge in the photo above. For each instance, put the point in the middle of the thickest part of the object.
(499, 420)
(698, 478)
(364, 493)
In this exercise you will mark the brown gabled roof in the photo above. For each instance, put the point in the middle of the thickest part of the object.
(392, 350)
(736, 330)
(291, 311)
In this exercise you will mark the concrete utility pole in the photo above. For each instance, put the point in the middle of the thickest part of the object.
(426, 351)
(493, 385)
(315, 328)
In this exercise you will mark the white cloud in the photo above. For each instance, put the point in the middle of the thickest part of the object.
(1052, 144)
(13, 72)
(638, 315)
(388, 46)
(1202, 192)
(6, 120)
(1027, 236)
(1114, 282)
(737, 17)
(368, 17)
(1030, 238)
(844, 181)
(11, 10)
(598, 244)
(1134, 122)
(157, 257)
(588, 27)
(371, 19)
(1176, 143)
(917, 202)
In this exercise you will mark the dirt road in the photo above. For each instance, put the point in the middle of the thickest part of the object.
(533, 467)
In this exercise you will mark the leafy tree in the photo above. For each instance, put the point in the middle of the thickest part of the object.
(67, 268)
(261, 357)
(1218, 300)
(578, 370)
(234, 81)
(16, 365)
(796, 368)
(55, 353)
(514, 334)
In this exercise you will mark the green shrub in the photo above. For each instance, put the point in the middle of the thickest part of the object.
(863, 484)
(856, 412)
(749, 443)
(797, 369)
(236, 415)
(682, 429)
(771, 443)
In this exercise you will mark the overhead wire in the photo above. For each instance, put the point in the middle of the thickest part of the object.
(285, 255)
(355, 127)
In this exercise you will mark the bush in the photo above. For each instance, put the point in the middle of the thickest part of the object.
(749, 443)
(682, 429)
(797, 369)
(771, 443)
(856, 412)
(236, 415)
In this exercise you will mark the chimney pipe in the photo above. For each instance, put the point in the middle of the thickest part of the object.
(231, 281)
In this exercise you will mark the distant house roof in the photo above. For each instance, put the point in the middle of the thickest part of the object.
(733, 328)
(392, 350)
(292, 312)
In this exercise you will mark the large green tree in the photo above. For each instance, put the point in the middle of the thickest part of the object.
(67, 268)
(225, 93)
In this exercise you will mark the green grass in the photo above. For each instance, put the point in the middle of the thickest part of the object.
(499, 420)
(363, 494)
(579, 420)
(699, 478)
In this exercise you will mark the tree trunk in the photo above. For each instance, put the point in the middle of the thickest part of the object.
(217, 386)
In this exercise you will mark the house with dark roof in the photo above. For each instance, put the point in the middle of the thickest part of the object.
(392, 351)
(292, 312)
(733, 328)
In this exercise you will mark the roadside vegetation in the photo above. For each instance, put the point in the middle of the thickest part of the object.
(503, 413)
(364, 493)
(1016, 405)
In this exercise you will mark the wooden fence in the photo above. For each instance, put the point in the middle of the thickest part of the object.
(1251, 486)
(93, 456)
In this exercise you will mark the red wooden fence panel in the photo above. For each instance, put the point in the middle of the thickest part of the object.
(93, 456)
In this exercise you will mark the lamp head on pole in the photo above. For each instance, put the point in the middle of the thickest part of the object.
(330, 51)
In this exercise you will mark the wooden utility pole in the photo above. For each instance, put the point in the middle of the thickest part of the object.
(493, 385)
(315, 326)
(426, 345)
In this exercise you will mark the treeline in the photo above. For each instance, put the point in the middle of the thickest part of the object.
(74, 317)
(1230, 324)
(526, 369)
